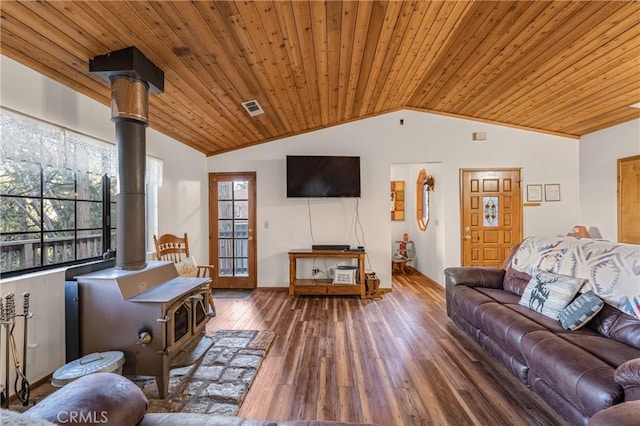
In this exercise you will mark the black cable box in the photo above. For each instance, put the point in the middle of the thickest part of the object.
(343, 247)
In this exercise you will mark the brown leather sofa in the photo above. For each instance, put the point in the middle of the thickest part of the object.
(111, 399)
(579, 373)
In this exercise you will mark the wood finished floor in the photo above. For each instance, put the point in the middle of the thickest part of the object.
(396, 361)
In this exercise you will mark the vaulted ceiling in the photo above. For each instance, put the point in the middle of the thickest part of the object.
(562, 67)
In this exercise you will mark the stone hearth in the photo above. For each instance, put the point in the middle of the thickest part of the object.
(217, 383)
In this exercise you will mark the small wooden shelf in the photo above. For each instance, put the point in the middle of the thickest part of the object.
(320, 287)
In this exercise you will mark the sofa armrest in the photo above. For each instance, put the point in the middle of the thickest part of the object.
(95, 398)
(474, 276)
(624, 414)
(627, 375)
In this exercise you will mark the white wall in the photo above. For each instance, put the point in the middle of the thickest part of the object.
(381, 142)
(599, 152)
(182, 201)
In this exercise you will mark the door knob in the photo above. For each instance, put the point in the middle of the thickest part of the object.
(467, 229)
(467, 237)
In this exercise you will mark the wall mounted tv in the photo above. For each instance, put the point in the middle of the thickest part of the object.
(311, 176)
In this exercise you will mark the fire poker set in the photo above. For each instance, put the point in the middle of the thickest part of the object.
(8, 316)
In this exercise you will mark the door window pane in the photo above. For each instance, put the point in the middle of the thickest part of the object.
(225, 248)
(240, 190)
(224, 228)
(225, 209)
(225, 267)
(242, 268)
(224, 190)
(241, 209)
(241, 228)
(241, 248)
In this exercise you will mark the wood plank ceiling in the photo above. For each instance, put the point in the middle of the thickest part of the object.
(563, 67)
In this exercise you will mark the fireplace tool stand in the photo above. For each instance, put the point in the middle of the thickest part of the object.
(8, 320)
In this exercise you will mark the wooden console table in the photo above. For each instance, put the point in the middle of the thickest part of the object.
(316, 287)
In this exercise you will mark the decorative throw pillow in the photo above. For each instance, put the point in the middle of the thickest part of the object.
(580, 311)
(549, 293)
(344, 276)
(187, 267)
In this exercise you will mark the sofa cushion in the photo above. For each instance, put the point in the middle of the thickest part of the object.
(580, 311)
(467, 302)
(506, 326)
(549, 293)
(500, 296)
(577, 375)
(498, 351)
(608, 350)
(544, 321)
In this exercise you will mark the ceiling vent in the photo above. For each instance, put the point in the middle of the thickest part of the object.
(253, 107)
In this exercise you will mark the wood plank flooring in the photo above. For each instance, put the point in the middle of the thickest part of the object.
(396, 361)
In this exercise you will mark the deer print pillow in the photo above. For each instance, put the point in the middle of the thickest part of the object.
(549, 293)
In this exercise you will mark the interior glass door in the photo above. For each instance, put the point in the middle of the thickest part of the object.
(233, 219)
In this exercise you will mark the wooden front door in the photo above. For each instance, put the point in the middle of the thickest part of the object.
(232, 238)
(491, 209)
(629, 200)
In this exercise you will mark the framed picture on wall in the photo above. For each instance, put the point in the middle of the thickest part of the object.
(552, 192)
(534, 193)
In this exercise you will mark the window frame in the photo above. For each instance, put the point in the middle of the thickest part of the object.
(108, 230)
(105, 230)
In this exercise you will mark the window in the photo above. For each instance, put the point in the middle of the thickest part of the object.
(58, 195)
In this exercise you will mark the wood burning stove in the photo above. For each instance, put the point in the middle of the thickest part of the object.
(153, 316)
(140, 308)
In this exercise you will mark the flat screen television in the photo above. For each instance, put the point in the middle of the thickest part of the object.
(311, 176)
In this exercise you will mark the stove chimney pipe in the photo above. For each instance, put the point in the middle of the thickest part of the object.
(132, 76)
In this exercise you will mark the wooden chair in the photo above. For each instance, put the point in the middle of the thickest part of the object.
(175, 249)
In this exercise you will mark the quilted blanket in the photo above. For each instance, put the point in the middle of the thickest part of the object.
(612, 270)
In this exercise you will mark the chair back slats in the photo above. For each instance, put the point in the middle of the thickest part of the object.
(171, 248)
